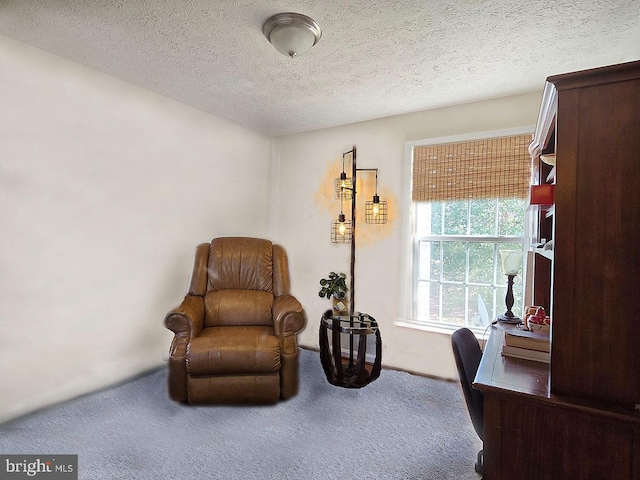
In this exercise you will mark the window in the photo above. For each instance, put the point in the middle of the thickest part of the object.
(468, 203)
(459, 278)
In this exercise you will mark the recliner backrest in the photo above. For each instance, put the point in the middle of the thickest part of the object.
(238, 263)
(240, 282)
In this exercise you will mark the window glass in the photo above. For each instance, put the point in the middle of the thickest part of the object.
(481, 262)
(436, 218)
(453, 304)
(482, 217)
(459, 281)
(480, 305)
(511, 214)
(455, 218)
(454, 261)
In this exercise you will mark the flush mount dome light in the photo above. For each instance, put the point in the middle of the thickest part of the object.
(292, 34)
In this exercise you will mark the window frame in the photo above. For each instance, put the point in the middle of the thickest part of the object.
(406, 316)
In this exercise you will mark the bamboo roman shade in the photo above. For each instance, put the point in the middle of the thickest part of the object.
(485, 168)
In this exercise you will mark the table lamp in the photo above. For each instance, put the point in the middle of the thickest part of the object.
(511, 260)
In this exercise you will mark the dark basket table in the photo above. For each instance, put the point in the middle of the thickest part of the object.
(354, 372)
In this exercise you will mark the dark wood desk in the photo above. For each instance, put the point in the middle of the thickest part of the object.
(530, 433)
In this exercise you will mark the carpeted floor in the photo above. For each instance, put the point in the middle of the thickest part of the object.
(400, 427)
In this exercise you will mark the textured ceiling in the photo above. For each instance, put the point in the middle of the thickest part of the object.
(376, 58)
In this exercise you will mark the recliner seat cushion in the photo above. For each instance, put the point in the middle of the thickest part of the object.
(232, 350)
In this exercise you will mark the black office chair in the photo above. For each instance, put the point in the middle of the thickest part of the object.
(468, 353)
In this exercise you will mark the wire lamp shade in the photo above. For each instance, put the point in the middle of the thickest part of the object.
(341, 230)
(343, 187)
(375, 211)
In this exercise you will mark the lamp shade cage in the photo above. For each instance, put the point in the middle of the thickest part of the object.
(341, 230)
(343, 187)
(375, 211)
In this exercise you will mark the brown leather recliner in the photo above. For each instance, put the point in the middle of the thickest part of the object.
(236, 330)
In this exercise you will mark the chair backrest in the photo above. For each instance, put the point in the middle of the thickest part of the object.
(240, 263)
(243, 276)
(468, 354)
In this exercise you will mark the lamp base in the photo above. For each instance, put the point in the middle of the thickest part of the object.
(504, 318)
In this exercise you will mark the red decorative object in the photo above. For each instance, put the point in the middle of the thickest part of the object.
(542, 194)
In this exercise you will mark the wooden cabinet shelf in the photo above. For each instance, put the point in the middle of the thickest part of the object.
(547, 253)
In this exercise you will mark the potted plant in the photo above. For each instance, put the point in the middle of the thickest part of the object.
(335, 288)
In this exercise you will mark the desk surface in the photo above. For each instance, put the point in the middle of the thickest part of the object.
(526, 378)
(532, 434)
(516, 375)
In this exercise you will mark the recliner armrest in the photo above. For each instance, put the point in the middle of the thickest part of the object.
(288, 315)
(188, 319)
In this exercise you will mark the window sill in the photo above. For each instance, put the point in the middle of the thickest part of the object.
(442, 329)
(480, 332)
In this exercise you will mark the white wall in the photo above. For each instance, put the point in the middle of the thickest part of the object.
(308, 162)
(105, 190)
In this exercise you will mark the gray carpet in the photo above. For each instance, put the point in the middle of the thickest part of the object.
(401, 426)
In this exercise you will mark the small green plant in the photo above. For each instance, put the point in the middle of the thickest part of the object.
(333, 286)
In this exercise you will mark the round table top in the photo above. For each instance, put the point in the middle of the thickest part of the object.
(360, 323)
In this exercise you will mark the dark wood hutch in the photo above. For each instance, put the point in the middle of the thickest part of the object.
(579, 417)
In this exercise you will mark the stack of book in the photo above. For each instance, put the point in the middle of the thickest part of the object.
(528, 345)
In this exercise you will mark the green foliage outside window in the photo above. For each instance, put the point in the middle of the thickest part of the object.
(455, 272)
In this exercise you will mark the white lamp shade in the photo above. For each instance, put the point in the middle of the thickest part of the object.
(292, 34)
(292, 40)
(511, 260)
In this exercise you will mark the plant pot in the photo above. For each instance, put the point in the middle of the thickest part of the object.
(340, 306)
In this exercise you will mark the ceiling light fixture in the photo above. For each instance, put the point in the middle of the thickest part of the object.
(292, 34)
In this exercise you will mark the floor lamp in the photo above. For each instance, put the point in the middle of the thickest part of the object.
(343, 230)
